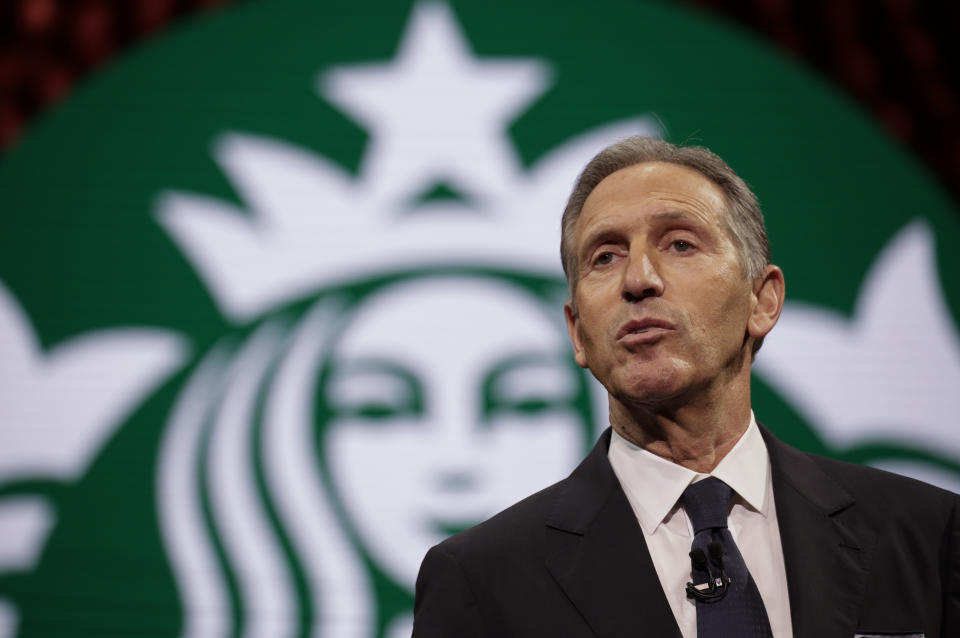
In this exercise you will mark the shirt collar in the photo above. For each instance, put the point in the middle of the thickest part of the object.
(653, 485)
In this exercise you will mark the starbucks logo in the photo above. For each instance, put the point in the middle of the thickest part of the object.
(288, 313)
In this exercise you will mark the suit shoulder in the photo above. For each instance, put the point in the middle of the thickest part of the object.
(890, 494)
(864, 477)
(827, 479)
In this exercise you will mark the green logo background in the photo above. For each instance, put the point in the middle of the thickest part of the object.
(82, 250)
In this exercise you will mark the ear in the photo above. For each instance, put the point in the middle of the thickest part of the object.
(573, 327)
(768, 291)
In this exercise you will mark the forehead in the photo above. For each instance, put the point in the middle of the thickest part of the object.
(653, 188)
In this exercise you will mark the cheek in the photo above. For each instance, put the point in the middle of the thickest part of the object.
(721, 311)
(733, 312)
(595, 324)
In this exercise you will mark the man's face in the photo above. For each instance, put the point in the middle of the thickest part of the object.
(661, 299)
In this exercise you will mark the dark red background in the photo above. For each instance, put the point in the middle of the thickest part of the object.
(896, 57)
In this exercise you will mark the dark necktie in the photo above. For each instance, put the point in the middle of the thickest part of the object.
(728, 602)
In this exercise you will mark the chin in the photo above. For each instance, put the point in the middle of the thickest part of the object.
(651, 383)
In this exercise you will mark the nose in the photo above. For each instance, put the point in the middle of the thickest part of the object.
(641, 278)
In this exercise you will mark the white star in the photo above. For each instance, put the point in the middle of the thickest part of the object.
(891, 372)
(435, 113)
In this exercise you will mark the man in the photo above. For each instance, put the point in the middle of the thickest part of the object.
(688, 518)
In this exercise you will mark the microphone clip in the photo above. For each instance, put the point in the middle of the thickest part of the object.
(717, 582)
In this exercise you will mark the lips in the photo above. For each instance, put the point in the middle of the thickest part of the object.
(644, 326)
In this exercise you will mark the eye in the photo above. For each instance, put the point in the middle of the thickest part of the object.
(681, 245)
(604, 258)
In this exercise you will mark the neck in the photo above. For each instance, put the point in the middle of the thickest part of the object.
(695, 434)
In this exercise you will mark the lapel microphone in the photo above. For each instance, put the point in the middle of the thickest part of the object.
(716, 586)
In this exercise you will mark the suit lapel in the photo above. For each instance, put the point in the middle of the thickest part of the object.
(826, 550)
(598, 555)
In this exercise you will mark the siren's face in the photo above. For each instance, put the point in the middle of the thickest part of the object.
(452, 398)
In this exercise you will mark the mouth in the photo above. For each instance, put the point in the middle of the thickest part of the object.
(643, 330)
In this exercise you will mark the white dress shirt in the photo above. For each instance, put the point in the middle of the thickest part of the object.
(653, 486)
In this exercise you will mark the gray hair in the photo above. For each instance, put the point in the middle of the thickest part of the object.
(743, 221)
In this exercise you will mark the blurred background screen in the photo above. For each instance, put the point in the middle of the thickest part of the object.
(280, 289)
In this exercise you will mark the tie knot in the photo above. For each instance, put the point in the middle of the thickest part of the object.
(706, 503)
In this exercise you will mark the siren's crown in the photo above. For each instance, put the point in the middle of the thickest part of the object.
(308, 225)
(438, 116)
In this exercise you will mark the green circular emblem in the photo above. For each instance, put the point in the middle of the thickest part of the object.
(280, 298)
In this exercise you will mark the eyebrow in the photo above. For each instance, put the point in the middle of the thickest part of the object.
(605, 232)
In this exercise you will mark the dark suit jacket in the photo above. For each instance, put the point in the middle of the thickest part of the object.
(865, 552)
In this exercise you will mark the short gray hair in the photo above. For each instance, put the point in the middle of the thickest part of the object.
(744, 220)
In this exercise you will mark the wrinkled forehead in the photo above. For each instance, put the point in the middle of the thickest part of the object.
(659, 187)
